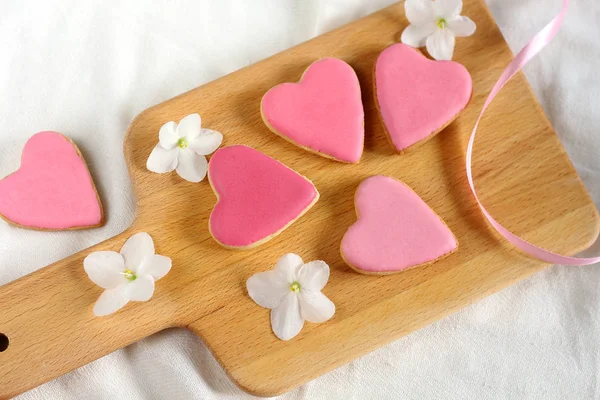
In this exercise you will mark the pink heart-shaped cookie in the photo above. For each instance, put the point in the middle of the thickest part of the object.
(323, 113)
(418, 97)
(395, 230)
(257, 197)
(53, 189)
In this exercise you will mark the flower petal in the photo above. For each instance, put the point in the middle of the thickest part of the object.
(167, 136)
(447, 9)
(313, 275)
(415, 36)
(287, 267)
(136, 249)
(140, 289)
(419, 12)
(440, 45)
(206, 142)
(462, 26)
(110, 301)
(156, 266)
(286, 320)
(267, 289)
(105, 268)
(315, 306)
(162, 160)
(192, 167)
(189, 127)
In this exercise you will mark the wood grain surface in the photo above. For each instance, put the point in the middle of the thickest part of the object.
(522, 173)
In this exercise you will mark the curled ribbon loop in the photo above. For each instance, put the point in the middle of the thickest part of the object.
(539, 41)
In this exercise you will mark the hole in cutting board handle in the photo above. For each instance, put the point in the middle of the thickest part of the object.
(3, 342)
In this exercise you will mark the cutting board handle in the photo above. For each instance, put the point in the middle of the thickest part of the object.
(51, 330)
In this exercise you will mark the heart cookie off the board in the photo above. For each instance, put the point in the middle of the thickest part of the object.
(52, 189)
(322, 113)
(396, 229)
(418, 97)
(257, 196)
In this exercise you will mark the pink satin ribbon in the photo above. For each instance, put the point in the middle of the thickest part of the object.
(540, 40)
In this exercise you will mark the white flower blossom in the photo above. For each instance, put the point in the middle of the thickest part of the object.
(293, 293)
(183, 147)
(435, 24)
(128, 275)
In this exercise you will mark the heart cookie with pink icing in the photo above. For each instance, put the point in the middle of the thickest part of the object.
(257, 197)
(418, 97)
(53, 189)
(323, 113)
(395, 230)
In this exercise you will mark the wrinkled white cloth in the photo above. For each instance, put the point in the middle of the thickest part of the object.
(87, 68)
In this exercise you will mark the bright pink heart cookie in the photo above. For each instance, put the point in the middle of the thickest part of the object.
(418, 97)
(323, 113)
(257, 196)
(53, 189)
(395, 230)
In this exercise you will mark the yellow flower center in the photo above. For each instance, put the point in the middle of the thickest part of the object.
(295, 287)
(182, 143)
(129, 275)
(441, 23)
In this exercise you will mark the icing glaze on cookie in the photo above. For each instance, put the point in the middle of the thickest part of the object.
(395, 229)
(258, 197)
(322, 113)
(53, 189)
(418, 97)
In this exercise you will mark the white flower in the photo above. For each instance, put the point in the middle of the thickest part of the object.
(293, 293)
(183, 147)
(435, 24)
(129, 275)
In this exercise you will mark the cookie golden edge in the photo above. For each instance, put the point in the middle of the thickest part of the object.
(425, 139)
(308, 149)
(273, 235)
(382, 273)
(100, 223)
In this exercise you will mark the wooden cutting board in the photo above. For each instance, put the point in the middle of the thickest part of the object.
(522, 173)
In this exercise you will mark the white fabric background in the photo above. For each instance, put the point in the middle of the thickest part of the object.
(86, 68)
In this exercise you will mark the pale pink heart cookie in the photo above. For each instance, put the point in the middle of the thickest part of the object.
(257, 197)
(322, 113)
(395, 230)
(418, 97)
(53, 189)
